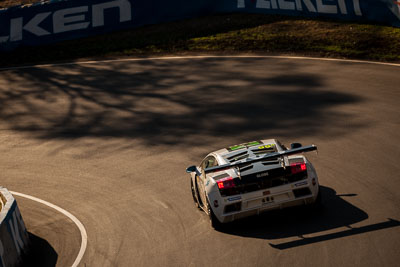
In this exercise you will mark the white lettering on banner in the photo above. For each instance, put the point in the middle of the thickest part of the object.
(2, 254)
(63, 22)
(68, 19)
(263, 4)
(299, 7)
(309, 6)
(15, 222)
(266, 4)
(16, 26)
(342, 6)
(321, 5)
(357, 9)
(98, 11)
(287, 5)
(274, 4)
(33, 25)
(325, 8)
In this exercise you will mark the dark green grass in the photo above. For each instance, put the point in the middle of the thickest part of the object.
(229, 33)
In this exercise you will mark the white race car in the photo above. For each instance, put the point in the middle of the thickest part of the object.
(250, 178)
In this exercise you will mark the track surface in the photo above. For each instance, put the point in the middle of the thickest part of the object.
(109, 142)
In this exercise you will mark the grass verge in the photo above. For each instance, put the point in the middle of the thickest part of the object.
(10, 3)
(228, 34)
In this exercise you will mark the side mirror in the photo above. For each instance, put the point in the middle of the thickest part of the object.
(295, 145)
(191, 169)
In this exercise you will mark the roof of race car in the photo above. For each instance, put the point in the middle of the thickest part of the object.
(244, 147)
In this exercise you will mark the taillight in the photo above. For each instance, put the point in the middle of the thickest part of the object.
(225, 183)
(298, 167)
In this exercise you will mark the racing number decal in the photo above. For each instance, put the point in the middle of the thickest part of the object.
(244, 145)
(266, 146)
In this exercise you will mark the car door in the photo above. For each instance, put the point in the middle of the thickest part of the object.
(208, 162)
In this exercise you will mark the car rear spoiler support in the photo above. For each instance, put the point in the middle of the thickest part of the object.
(263, 158)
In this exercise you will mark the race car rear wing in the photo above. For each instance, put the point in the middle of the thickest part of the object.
(263, 158)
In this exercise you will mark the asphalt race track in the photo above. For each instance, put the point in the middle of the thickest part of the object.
(109, 142)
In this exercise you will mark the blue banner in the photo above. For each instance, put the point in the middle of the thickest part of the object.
(382, 11)
(65, 20)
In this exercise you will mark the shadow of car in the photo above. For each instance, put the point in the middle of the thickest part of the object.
(300, 221)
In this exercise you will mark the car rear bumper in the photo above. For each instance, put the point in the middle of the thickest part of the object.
(261, 201)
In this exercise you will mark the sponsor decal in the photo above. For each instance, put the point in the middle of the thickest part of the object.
(266, 146)
(208, 182)
(259, 175)
(300, 184)
(234, 198)
(67, 19)
(317, 6)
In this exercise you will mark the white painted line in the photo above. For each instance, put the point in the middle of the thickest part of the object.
(69, 215)
(196, 57)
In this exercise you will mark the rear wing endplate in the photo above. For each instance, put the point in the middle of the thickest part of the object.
(266, 157)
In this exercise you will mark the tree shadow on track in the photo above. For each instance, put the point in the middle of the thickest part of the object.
(173, 102)
(40, 253)
(301, 221)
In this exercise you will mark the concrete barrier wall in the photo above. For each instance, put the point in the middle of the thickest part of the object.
(64, 20)
(13, 234)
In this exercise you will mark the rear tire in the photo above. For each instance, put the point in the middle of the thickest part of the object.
(196, 202)
(214, 222)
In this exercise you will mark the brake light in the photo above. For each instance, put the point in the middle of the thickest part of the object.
(298, 167)
(225, 183)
